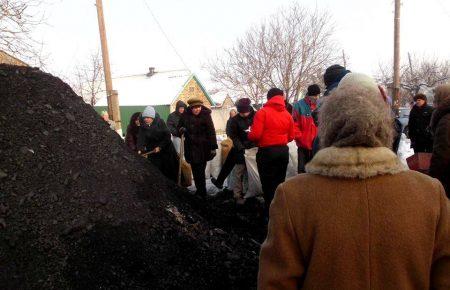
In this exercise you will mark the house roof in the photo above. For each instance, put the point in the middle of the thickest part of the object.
(9, 59)
(162, 88)
(219, 97)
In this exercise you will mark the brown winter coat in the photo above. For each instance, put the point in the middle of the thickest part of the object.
(200, 135)
(357, 220)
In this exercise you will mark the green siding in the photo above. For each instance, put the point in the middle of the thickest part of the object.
(127, 111)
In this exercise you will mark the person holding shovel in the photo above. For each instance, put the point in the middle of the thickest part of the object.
(154, 143)
(200, 143)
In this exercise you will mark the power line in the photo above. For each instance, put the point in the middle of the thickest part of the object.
(165, 35)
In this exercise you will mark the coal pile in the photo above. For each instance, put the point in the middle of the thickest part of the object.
(79, 211)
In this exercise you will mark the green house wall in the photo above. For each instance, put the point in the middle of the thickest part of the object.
(127, 111)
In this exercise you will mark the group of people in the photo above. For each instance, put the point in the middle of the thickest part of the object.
(358, 218)
(148, 135)
(355, 217)
(270, 129)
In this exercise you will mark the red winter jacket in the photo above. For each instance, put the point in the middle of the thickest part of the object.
(272, 125)
(305, 129)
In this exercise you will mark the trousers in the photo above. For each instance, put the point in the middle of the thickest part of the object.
(272, 163)
(304, 156)
(198, 170)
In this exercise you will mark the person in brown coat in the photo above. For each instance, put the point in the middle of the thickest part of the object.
(440, 126)
(358, 219)
(200, 143)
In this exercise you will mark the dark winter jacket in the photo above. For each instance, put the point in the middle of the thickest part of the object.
(158, 135)
(418, 127)
(132, 132)
(397, 135)
(174, 118)
(200, 135)
(440, 160)
(228, 127)
(272, 125)
(238, 127)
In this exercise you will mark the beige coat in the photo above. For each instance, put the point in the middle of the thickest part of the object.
(357, 220)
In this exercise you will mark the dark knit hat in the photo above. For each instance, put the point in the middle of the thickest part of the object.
(420, 97)
(313, 90)
(274, 92)
(334, 74)
(180, 104)
(243, 105)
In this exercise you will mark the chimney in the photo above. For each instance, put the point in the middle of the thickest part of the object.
(151, 71)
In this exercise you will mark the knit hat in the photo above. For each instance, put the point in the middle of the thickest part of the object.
(180, 104)
(334, 74)
(274, 92)
(149, 112)
(194, 101)
(104, 112)
(243, 105)
(355, 114)
(313, 90)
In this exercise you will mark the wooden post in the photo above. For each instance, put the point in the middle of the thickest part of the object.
(396, 92)
(344, 59)
(112, 96)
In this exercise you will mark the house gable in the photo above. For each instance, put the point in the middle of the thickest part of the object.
(193, 88)
(228, 102)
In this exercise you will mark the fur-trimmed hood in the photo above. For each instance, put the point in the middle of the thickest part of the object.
(355, 162)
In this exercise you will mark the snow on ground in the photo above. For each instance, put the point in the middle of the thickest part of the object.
(404, 149)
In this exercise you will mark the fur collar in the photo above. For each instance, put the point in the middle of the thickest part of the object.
(355, 162)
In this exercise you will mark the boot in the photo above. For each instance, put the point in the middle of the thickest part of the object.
(216, 183)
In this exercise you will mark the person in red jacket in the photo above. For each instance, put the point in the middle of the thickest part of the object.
(272, 130)
(305, 128)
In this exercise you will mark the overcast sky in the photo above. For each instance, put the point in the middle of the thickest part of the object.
(200, 29)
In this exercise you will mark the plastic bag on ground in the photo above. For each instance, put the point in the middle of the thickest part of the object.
(254, 183)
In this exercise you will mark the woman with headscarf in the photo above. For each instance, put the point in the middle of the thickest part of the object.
(132, 131)
(358, 219)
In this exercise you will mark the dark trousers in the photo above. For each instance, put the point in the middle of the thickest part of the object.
(198, 170)
(304, 156)
(272, 164)
(227, 167)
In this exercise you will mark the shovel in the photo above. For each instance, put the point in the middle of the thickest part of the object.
(148, 153)
(181, 159)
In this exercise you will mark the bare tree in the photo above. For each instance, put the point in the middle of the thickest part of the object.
(88, 81)
(417, 74)
(290, 50)
(17, 23)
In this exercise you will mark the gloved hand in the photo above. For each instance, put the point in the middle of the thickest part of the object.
(212, 154)
(182, 130)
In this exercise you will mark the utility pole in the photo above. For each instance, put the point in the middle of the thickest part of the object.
(396, 91)
(112, 95)
(416, 88)
(344, 59)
